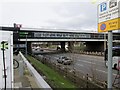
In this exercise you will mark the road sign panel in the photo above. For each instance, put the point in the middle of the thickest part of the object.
(113, 24)
(109, 15)
(103, 26)
(108, 10)
(103, 7)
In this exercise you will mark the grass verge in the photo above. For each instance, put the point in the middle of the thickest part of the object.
(53, 77)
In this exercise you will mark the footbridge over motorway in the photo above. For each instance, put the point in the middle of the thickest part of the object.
(93, 41)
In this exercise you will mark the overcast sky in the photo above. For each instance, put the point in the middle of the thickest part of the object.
(60, 14)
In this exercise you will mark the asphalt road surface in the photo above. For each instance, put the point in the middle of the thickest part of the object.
(94, 66)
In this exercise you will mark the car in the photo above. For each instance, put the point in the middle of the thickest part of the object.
(64, 60)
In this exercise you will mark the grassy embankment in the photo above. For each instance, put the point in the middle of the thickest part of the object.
(53, 77)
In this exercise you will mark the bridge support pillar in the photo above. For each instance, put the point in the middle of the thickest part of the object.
(29, 47)
(95, 46)
(62, 46)
(70, 46)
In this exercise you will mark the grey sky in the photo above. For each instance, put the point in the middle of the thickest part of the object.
(77, 15)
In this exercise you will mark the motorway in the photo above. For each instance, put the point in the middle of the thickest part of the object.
(94, 66)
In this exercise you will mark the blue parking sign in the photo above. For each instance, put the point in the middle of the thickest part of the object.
(103, 7)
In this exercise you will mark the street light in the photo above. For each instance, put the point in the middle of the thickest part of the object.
(24, 34)
(26, 46)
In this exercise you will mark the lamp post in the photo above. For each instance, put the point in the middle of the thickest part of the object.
(26, 46)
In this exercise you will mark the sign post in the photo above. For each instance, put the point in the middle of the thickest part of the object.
(108, 20)
(25, 34)
(110, 39)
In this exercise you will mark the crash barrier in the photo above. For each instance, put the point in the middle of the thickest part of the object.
(91, 53)
(40, 81)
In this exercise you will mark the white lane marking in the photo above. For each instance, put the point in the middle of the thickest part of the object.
(105, 72)
(80, 65)
(94, 58)
(99, 61)
(101, 71)
(87, 62)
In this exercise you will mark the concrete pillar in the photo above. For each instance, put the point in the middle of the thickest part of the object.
(94, 46)
(70, 46)
(62, 46)
(29, 47)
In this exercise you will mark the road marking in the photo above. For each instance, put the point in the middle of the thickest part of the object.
(101, 71)
(105, 72)
(80, 65)
(87, 62)
(98, 60)
(94, 58)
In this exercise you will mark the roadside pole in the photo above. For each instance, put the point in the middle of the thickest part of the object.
(108, 20)
(26, 46)
(110, 39)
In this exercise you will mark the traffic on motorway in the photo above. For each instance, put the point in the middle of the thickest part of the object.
(94, 66)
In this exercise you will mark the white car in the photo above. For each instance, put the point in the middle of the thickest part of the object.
(64, 60)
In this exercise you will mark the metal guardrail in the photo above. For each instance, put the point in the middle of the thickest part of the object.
(40, 81)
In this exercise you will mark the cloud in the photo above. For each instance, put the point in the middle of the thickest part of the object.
(75, 15)
(46, 1)
(65, 15)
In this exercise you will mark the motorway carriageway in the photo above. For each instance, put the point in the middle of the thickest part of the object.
(94, 66)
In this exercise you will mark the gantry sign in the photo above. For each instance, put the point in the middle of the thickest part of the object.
(109, 16)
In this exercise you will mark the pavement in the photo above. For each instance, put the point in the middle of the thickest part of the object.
(24, 79)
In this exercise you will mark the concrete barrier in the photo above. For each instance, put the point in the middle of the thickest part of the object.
(40, 81)
(92, 53)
